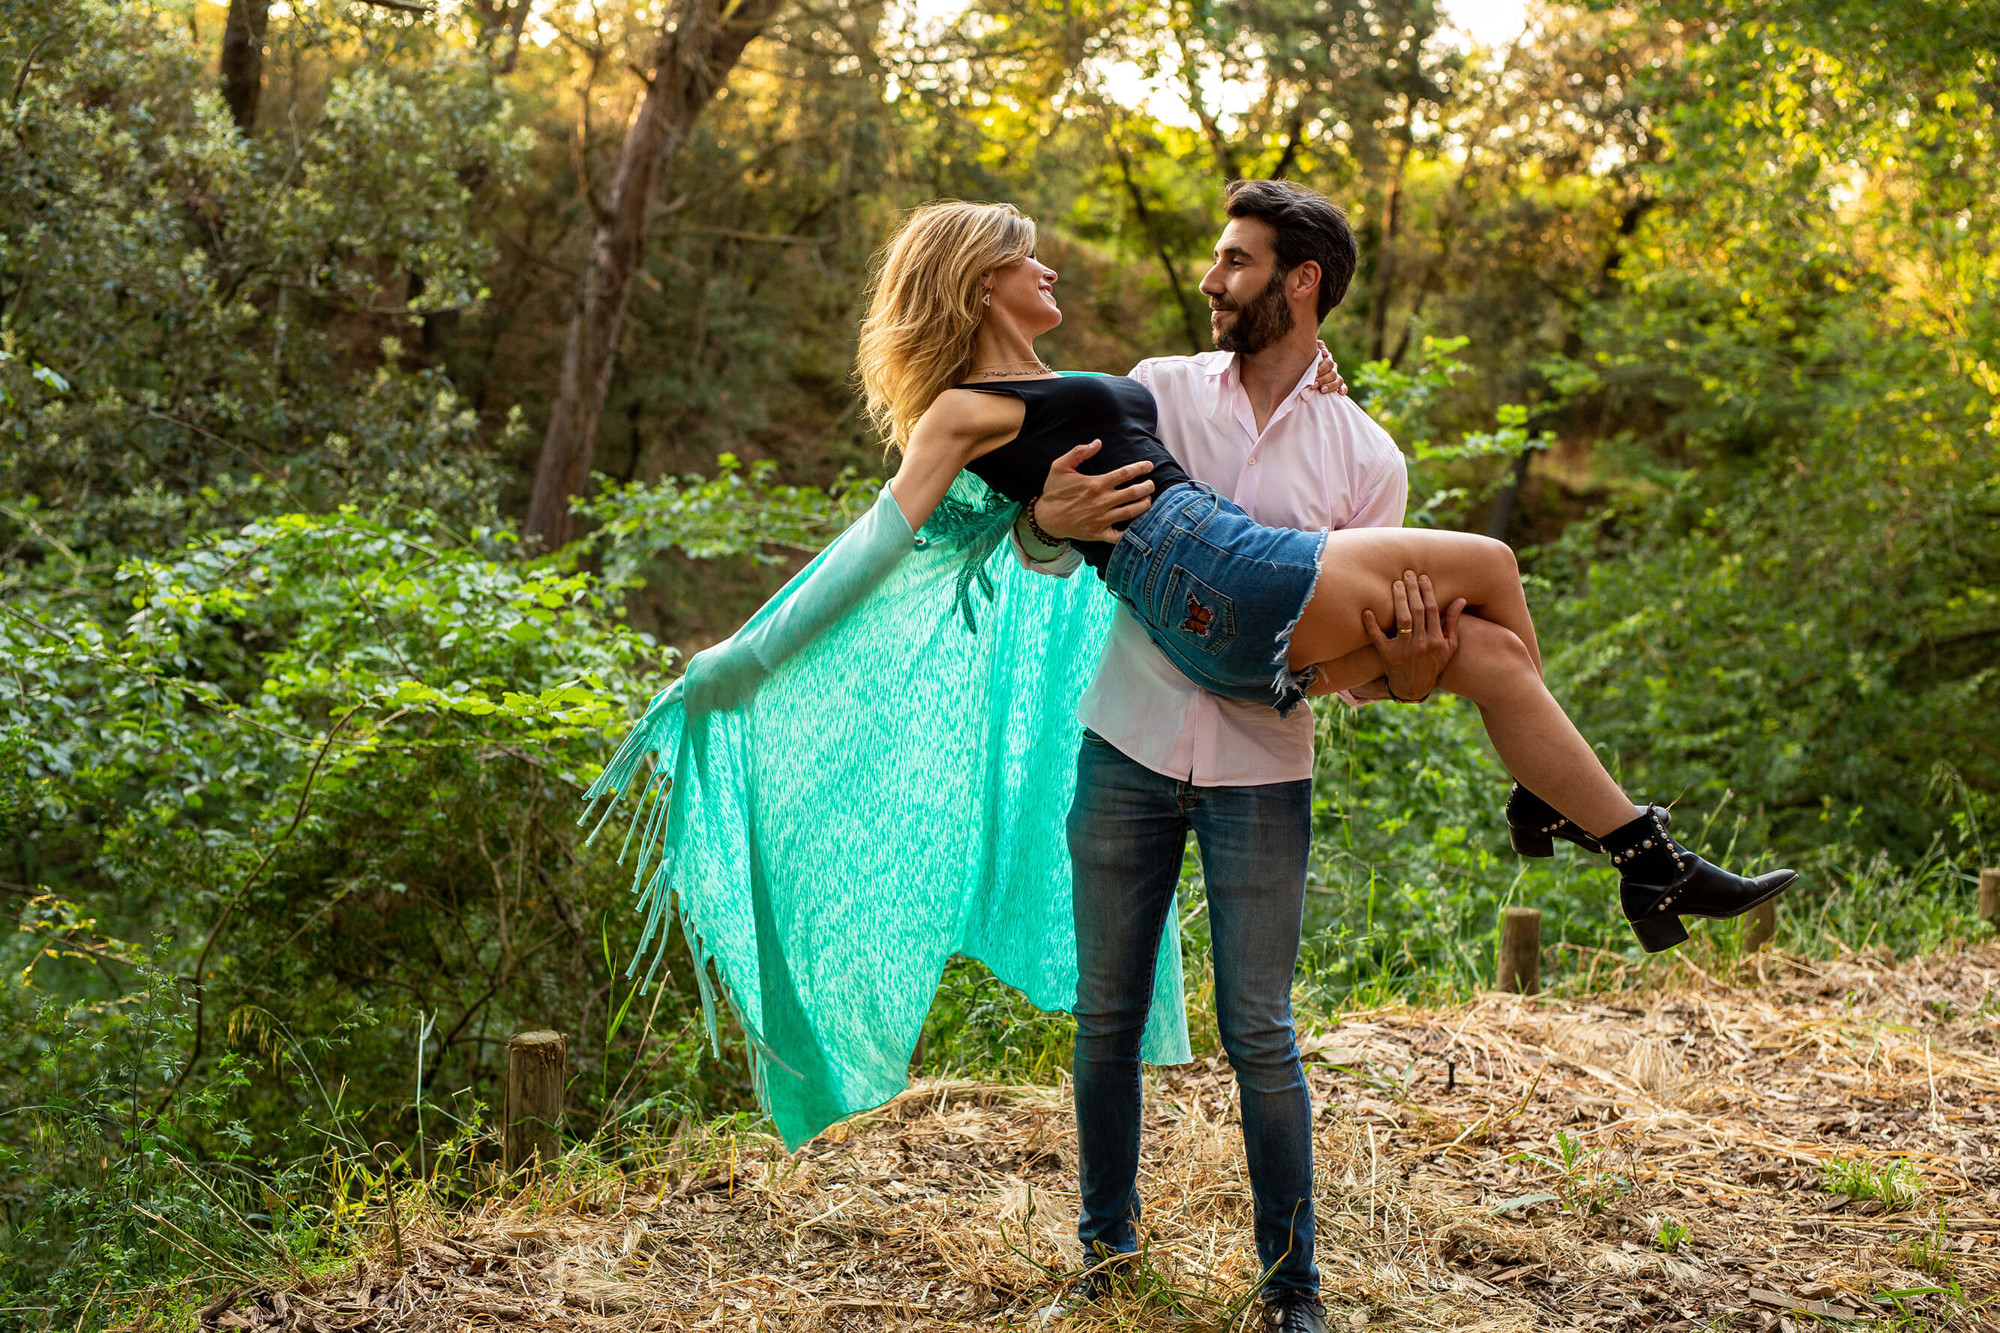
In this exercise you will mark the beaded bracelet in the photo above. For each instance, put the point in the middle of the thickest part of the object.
(1036, 528)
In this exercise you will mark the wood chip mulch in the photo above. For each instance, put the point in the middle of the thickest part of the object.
(1699, 1122)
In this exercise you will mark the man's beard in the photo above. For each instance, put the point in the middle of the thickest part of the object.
(1257, 325)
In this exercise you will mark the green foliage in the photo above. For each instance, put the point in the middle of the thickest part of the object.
(1931, 1251)
(105, 1189)
(1406, 403)
(1895, 1185)
(178, 326)
(739, 512)
(1578, 1184)
(1704, 296)
(331, 764)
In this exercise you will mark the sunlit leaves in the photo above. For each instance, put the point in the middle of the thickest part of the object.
(738, 512)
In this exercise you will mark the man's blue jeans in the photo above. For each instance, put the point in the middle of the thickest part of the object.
(1128, 828)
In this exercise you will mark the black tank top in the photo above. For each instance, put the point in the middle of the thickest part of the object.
(1063, 413)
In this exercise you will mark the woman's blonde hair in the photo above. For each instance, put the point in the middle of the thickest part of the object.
(925, 306)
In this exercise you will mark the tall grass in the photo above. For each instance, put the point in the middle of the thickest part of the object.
(1410, 869)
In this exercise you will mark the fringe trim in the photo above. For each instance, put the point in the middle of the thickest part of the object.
(659, 737)
(1290, 686)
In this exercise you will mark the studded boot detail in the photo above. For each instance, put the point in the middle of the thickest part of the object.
(1533, 825)
(1662, 881)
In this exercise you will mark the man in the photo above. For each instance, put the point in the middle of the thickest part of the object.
(1161, 757)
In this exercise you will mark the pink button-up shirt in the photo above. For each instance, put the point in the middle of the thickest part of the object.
(1320, 463)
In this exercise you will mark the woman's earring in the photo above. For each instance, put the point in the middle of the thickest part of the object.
(986, 299)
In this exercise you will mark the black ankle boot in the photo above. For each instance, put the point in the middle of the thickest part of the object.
(1664, 881)
(1532, 824)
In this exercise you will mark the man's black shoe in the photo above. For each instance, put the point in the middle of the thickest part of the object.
(1293, 1312)
(1085, 1291)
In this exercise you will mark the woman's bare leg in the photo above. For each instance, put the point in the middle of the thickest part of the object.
(1358, 566)
(1536, 740)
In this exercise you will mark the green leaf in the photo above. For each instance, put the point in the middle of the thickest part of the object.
(1520, 1202)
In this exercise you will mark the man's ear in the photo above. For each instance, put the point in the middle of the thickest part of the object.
(1304, 280)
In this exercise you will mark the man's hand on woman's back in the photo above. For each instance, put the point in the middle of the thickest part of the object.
(1077, 507)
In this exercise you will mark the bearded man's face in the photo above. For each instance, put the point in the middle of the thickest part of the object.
(1247, 309)
(1253, 325)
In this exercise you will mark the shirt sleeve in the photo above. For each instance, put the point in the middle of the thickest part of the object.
(1060, 565)
(1386, 493)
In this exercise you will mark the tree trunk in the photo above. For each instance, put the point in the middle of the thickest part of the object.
(1509, 498)
(1160, 250)
(242, 61)
(698, 45)
(1385, 259)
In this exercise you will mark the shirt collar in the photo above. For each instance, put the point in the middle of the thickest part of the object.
(1222, 365)
(1224, 375)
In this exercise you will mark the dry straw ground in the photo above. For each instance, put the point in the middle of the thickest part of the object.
(1706, 1114)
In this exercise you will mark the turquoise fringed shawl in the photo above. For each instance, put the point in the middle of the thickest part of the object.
(892, 794)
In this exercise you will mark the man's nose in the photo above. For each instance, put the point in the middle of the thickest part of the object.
(1211, 283)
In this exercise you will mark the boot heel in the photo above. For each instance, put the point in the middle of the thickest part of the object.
(1659, 933)
(1530, 842)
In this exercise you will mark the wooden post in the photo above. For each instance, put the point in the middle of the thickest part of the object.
(1761, 927)
(1520, 951)
(535, 1078)
(1989, 896)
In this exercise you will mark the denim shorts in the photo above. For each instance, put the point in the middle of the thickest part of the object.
(1219, 593)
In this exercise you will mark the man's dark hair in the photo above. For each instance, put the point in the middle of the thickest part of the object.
(1309, 226)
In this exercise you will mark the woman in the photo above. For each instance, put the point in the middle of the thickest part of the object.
(947, 360)
(871, 776)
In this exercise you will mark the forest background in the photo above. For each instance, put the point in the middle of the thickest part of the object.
(305, 660)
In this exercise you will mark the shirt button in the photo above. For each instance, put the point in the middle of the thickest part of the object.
(1253, 460)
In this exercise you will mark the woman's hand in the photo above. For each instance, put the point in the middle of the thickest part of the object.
(1328, 380)
(721, 678)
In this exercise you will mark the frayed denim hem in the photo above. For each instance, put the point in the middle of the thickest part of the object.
(1291, 687)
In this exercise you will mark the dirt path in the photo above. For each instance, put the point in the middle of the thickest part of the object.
(1706, 1120)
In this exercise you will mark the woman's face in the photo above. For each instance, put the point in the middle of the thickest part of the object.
(1024, 296)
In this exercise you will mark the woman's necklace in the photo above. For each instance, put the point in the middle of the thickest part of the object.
(1014, 369)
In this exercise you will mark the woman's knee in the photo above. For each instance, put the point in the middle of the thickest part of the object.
(1495, 560)
(1491, 661)
(1265, 1055)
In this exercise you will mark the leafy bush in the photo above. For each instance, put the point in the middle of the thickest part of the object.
(228, 317)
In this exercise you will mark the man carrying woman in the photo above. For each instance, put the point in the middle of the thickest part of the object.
(872, 774)
(1161, 757)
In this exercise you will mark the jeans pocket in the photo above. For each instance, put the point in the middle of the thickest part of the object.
(1196, 614)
